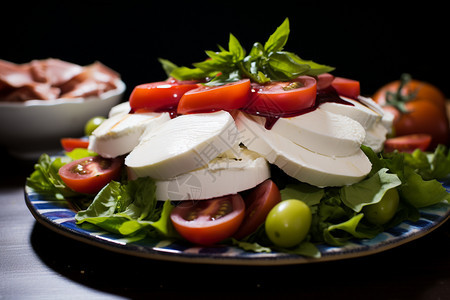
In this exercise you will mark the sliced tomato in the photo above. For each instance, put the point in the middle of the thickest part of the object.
(159, 96)
(408, 143)
(90, 174)
(258, 204)
(207, 222)
(324, 81)
(282, 98)
(229, 96)
(346, 87)
(69, 144)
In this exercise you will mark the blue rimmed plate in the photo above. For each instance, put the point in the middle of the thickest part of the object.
(59, 216)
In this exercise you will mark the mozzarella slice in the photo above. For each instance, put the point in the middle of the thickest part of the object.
(369, 114)
(298, 162)
(375, 137)
(121, 108)
(355, 110)
(222, 176)
(182, 144)
(120, 133)
(321, 132)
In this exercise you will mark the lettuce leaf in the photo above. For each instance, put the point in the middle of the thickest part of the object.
(370, 190)
(46, 180)
(128, 209)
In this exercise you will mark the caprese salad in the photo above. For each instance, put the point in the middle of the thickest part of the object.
(263, 150)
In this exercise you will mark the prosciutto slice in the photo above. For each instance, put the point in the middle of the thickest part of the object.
(53, 78)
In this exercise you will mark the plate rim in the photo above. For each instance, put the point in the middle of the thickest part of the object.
(273, 259)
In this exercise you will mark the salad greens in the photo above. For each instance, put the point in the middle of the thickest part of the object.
(264, 63)
(129, 208)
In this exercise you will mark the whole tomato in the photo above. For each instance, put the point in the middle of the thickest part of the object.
(418, 107)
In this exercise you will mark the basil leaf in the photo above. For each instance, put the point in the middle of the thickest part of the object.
(279, 38)
(236, 49)
(167, 66)
(282, 63)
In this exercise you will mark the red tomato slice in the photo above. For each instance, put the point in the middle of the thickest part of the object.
(229, 96)
(258, 205)
(90, 174)
(346, 87)
(69, 144)
(324, 81)
(207, 222)
(408, 143)
(159, 96)
(283, 98)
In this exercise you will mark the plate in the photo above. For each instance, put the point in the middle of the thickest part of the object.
(59, 216)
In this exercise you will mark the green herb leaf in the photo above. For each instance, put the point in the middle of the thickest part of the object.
(279, 38)
(263, 64)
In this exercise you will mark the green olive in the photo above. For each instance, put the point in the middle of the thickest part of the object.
(382, 212)
(288, 223)
(92, 124)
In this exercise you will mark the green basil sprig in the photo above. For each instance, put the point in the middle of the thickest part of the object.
(264, 63)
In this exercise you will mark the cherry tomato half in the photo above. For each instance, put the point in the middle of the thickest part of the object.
(229, 96)
(346, 87)
(90, 174)
(207, 222)
(283, 98)
(159, 96)
(69, 144)
(408, 143)
(258, 204)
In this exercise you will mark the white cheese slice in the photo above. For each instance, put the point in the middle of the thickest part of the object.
(321, 132)
(120, 133)
(355, 110)
(298, 162)
(182, 144)
(375, 137)
(222, 176)
(121, 108)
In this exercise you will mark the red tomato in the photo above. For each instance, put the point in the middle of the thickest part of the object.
(408, 143)
(423, 117)
(324, 80)
(210, 98)
(69, 144)
(258, 205)
(90, 174)
(421, 90)
(159, 96)
(207, 222)
(346, 87)
(283, 98)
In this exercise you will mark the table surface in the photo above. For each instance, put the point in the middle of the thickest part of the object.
(36, 262)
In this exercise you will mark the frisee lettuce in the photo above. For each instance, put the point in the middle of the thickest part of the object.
(264, 63)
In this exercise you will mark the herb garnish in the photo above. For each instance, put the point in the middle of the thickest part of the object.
(263, 64)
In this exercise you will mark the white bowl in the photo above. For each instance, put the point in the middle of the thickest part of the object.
(33, 127)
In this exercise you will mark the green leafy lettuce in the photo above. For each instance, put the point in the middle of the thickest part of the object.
(129, 209)
(264, 63)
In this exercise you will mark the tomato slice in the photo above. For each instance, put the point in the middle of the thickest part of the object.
(408, 143)
(229, 96)
(159, 96)
(346, 87)
(207, 222)
(90, 174)
(258, 204)
(69, 144)
(283, 98)
(324, 80)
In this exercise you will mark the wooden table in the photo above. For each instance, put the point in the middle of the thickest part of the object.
(36, 262)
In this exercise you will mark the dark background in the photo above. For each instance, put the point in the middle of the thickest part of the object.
(371, 42)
